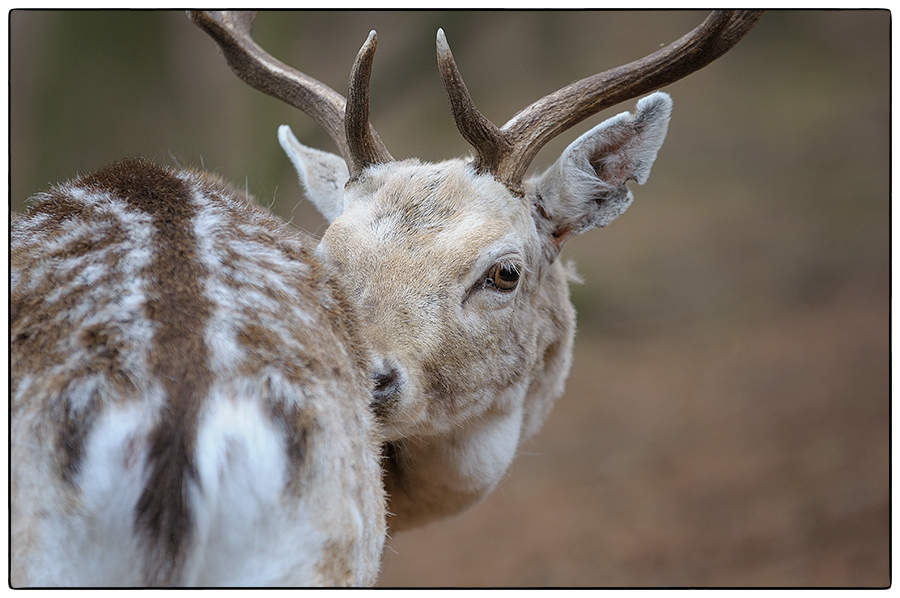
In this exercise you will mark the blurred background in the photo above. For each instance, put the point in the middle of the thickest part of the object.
(726, 422)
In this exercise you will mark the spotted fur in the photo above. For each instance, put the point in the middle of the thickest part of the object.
(184, 375)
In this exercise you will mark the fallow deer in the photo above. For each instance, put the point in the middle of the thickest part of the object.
(203, 395)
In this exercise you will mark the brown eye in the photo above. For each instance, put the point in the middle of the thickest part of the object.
(503, 277)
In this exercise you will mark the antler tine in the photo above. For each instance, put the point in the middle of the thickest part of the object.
(530, 129)
(232, 31)
(365, 146)
(490, 143)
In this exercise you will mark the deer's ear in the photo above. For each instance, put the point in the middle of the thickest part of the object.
(323, 175)
(586, 187)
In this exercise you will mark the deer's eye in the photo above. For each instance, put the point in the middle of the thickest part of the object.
(502, 276)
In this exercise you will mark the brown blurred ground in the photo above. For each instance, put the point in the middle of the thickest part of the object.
(727, 417)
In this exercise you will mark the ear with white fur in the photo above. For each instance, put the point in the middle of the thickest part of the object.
(323, 175)
(586, 187)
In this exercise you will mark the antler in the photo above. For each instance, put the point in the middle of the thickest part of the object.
(347, 123)
(507, 152)
(365, 146)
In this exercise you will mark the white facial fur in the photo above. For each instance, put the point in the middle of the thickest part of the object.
(413, 247)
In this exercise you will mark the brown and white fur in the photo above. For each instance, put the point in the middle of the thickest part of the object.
(189, 394)
(201, 395)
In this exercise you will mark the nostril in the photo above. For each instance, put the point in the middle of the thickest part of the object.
(387, 385)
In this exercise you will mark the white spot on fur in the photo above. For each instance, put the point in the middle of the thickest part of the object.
(241, 535)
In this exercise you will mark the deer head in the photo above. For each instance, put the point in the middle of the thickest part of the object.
(451, 268)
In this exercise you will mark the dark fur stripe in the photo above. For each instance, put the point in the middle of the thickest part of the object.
(178, 356)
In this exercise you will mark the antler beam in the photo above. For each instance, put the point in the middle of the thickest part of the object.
(346, 123)
(508, 151)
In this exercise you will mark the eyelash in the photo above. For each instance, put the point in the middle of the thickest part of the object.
(502, 276)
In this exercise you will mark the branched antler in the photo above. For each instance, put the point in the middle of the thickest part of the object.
(508, 151)
(346, 123)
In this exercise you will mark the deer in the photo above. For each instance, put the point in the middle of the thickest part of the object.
(204, 395)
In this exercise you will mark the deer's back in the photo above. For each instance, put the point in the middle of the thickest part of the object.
(188, 398)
